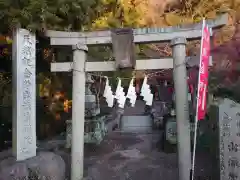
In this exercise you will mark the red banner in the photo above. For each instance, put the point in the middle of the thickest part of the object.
(203, 73)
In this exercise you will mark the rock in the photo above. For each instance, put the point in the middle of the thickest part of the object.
(46, 166)
(14, 171)
(67, 159)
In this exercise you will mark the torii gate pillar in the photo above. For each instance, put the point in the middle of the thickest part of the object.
(182, 110)
(78, 110)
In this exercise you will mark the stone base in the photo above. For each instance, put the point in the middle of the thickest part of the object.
(44, 166)
(95, 131)
(136, 124)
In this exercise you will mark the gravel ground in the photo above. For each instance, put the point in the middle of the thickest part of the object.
(124, 156)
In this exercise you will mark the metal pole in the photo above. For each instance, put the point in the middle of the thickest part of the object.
(182, 107)
(78, 109)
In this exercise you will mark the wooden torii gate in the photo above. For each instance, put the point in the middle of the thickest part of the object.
(79, 42)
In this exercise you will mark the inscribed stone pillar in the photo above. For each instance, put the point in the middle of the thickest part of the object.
(24, 94)
(229, 140)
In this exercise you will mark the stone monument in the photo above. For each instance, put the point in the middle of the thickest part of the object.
(94, 126)
(24, 94)
(229, 139)
(91, 107)
(135, 119)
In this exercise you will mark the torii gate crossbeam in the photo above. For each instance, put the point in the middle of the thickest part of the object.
(142, 35)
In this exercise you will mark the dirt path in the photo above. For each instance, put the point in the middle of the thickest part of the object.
(135, 157)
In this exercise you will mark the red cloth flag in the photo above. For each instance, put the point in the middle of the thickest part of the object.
(203, 73)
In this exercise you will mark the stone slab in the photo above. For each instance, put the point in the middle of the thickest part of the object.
(136, 124)
(229, 140)
(24, 94)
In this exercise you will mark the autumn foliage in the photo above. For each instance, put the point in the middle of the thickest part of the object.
(78, 15)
